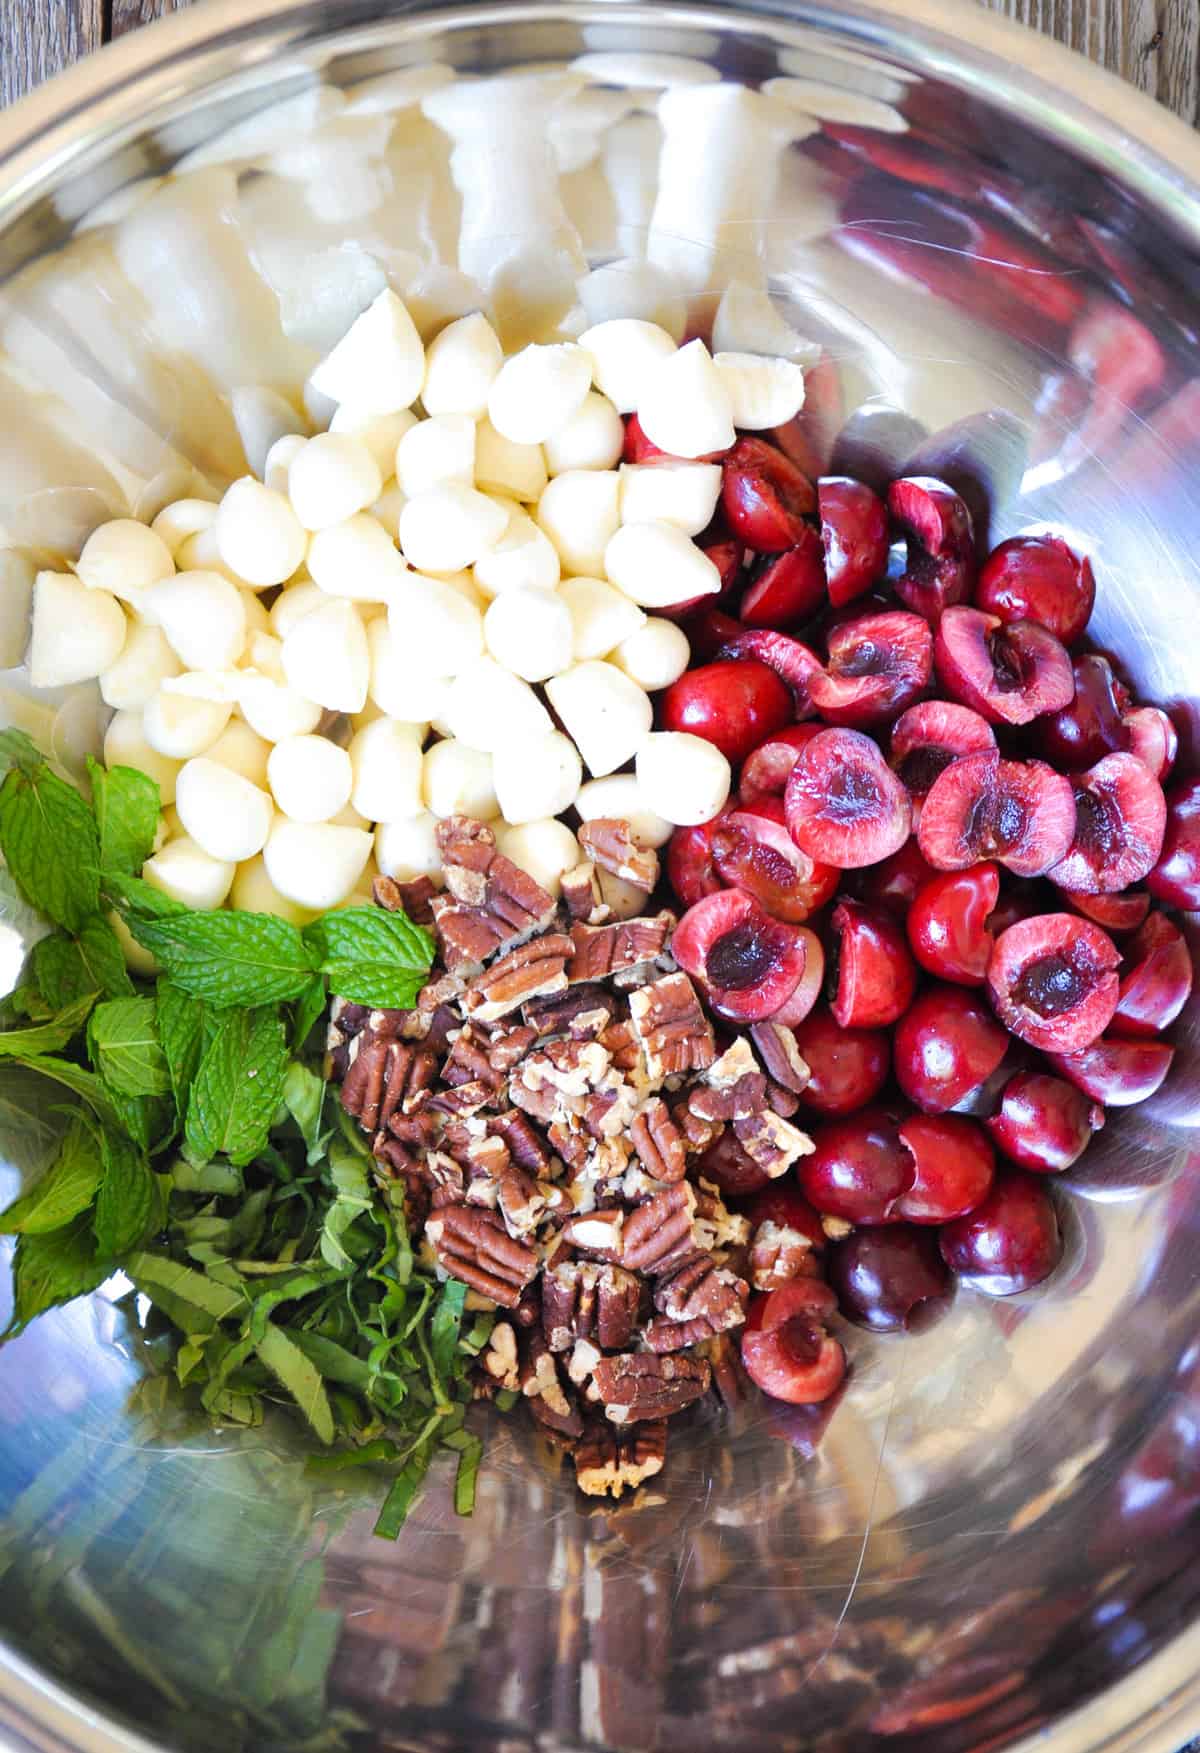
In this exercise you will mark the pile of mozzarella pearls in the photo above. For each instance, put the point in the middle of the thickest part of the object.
(391, 624)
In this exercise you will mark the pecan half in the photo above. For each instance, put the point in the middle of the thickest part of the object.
(780, 1055)
(638, 1385)
(611, 845)
(583, 1012)
(659, 1142)
(696, 1302)
(629, 947)
(472, 1244)
(608, 1461)
(413, 898)
(675, 1034)
(778, 1254)
(581, 893)
(583, 1300)
(491, 904)
(525, 1144)
(656, 1229)
(598, 1233)
(531, 971)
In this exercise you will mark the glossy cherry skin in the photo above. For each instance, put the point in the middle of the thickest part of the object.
(874, 976)
(734, 705)
(1157, 979)
(786, 1348)
(708, 629)
(941, 545)
(892, 1279)
(895, 882)
(1009, 1243)
(847, 1067)
(854, 533)
(948, 924)
(1044, 1123)
(732, 1168)
(1083, 732)
(1116, 913)
(1117, 1073)
(954, 1164)
(1175, 879)
(858, 1169)
(1038, 578)
(793, 662)
(786, 588)
(1152, 737)
(765, 497)
(765, 771)
(946, 1045)
(691, 871)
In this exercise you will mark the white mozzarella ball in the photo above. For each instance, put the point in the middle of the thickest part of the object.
(530, 632)
(200, 553)
(227, 816)
(258, 535)
(403, 686)
(683, 405)
(683, 777)
(580, 512)
(449, 527)
(409, 848)
(544, 849)
(145, 662)
(137, 959)
(488, 707)
(464, 583)
(605, 714)
(461, 365)
(264, 654)
(348, 817)
(77, 632)
(379, 363)
(387, 508)
(274, 711)
(435, 452)
(277, 469)
(254, 892)
(386, 760)
(623, 351)
(619, 797)
(124, 558)
(333, 477)
(655, 656)
(326, 658)
(292, 604)
(219, 687)
(592, 438)
(623, 900)
(434, 625)
(539, 776)
(181, 727)
(601, 617)
(457, 781)
(180, 520)
(657, 565)
(538, 390)
(258, 618)
(315, 864)
(762, 392)
(262, 417)
(502, 466)
(185, 872)
(356, 560)
(204, 619)
(242, 749)
(381, 433)
(310, 778)
(523, 558)
(125, 745)
(682, 494)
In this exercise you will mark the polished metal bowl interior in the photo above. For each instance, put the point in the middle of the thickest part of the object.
(994, 1541)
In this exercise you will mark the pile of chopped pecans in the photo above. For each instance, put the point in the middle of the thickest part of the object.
(547, 1105)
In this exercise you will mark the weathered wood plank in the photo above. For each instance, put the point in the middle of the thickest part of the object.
(40, 37)
(1152, 43)
(129, 14)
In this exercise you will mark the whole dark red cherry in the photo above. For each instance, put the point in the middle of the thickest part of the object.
(1044, 1123)
(847, 1067)
(1175, 879)
(858, 1169)
(954, 1164)
(1009, 1243)
(735, 705)
(946, 1045)
(892, 1279)
(948, 924)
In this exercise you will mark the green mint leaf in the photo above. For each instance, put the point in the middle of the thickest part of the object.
(50, 844)
(182, 1022)
(27, 1003)
(372, 956)
(125, 1049)
(73, 1077)
(137, 899)
(20, 751)
(228, 958)
(125, 804)
(347, 1171)
(304, 1098)
(310, 1007)
(125, 1201)
(49, 1037)
(67, 1188)
(53, 1268)
(402, 1495)
(238, 1087)
(443, 1329)
(300, 1377)
(66, 967)
(148, 1120)
(193, 1301)
(470, 1453)
(335, 1362)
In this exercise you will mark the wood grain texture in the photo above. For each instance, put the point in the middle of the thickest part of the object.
(1152, 43)
(39, 37)
(128, 14)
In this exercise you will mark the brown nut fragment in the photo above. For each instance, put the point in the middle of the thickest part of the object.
(674, 1032)
(638, 1385)
(531, 971)
(697, 1133)
(596, 1233)
(609, 1461)
(611, 844)
(584, 1300)
(781, 1058)
(702, 1290)
(581, 894)
(552, 1404)
(628, 951)
(659, 1142)
(656, 1229)
(472, 1244)
(620, 1041)
(778, 1254)
(525, 1144)
(773, 1143)
(524, 1202)
(491, 905)
(362, 1086)
(413, 898)
(500, 1358)
(583, 1013)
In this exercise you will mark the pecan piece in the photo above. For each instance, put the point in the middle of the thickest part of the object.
(659, 1142)
(638, 1385)
(655, 1230)
(780, 1055)
(583, 1012)
(362, 1086)
(581, 893)
(552, 1404)
(597, 1233)
(413, 898)
(524, 1202)
(500, 1358)
(778, 1254)
(675, 1034)
(772, 1142)
(531, 971)
(491, 904)
(697, 1134)
(630, 948)
(525, 1144)
(620, 1041)
(472, 1244)
(698, 1301)
(583, 1300)
(609, 842)
(609, 1461)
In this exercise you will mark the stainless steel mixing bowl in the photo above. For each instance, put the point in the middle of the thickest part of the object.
(993, 1542)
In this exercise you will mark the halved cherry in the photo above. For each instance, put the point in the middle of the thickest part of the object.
(941, 545)
(765, 496)
(1090, 726)
(873, 976)
(786, 588)
(858, 1168)
(1175, 879)
(1152, 737)
(847, 1067)
(765, 771)
(1053, 981)
(895, 882)
(791, 661)
(733, 705)
(877, 665)
(1038, 578)
(1157, 981)
(954, 1166)
(1022, 898)
(786, 1349)
(844, 804)
(730, 1167)
(748, 963)
(1117, 1073)
(794, 1009)
(854, 534)
(1021, 813)
(691, 871)
(929, 736)
(1010, 672)
(640, 449)
(948, 924)
(1120, 819)
(752, 850)
(1010, 1242)
(1116, 913)
(1043, 1123)
(708, 630)
(891, 1280)
(782, 1203)
(727, 555)
(945, 1047)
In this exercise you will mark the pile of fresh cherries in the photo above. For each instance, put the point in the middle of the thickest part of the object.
(938, 872)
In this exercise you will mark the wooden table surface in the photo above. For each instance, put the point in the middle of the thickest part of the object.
(1153, 43)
